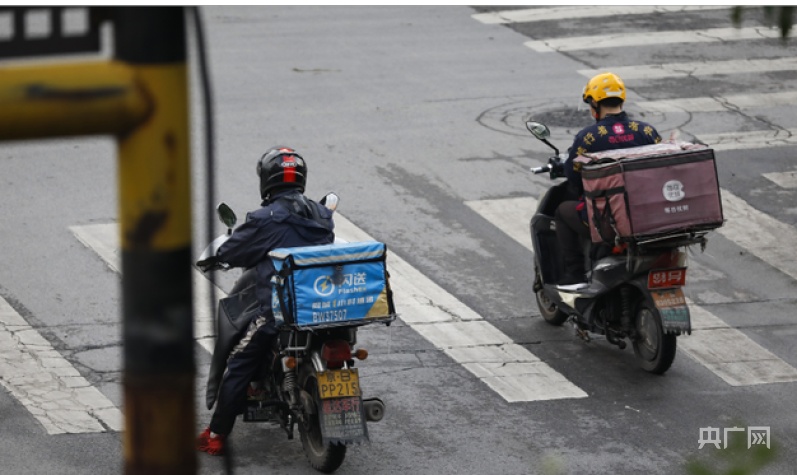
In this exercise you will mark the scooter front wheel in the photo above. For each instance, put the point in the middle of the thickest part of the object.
(654, 348)
(549, 310)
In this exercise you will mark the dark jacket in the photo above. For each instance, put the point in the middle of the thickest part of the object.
(288, 219)
(611, 132)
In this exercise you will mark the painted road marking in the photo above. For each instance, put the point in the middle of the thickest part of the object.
(734, 140)
(721, 141)
(509, 369)
(528, 15)
(759, 234)
(49, 387)
(721, 103)
(609, 40)
(511, 215)
(740, 140)
(730, 354)
(783, 179)
(727, 352)
(104, 240)
(450, 325)
(697, 68)
(750, 140)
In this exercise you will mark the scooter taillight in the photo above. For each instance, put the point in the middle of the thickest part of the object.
(336, 353)
(674, 258)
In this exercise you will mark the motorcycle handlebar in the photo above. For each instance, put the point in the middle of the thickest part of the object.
(542, 169)
(212, 263)
(555, 167)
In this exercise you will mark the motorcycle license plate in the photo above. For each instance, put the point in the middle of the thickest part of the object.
(256, 412)
(667, 278)
(338, 383)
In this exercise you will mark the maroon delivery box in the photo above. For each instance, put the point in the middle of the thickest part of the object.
(649, 191)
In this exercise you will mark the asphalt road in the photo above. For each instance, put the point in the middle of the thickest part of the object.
(412, 114)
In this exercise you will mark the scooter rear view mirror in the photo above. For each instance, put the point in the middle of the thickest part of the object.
(226, 215)
(538, 129)
(541, 132)
(330, 201)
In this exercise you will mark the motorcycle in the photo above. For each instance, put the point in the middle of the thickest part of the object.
(634, 291)
(310, 380)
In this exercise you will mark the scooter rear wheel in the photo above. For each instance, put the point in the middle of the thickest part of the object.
(325, 458)
(654, 348)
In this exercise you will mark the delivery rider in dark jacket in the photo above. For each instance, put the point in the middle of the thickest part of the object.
(613, 129)
(287, 219)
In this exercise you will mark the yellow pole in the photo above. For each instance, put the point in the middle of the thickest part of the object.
(155, 227)
(142, 99)
(155, 231)
(70, 99)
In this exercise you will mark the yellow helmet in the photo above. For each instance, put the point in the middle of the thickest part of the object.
(604, 86)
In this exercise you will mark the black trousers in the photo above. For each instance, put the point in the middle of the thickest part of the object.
(570, 228)
(243, 365)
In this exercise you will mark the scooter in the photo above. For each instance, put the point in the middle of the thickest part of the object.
(309, 380)
(634, 292)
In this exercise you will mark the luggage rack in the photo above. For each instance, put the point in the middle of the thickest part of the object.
(385, 319)
(674, 240)
(298, 337)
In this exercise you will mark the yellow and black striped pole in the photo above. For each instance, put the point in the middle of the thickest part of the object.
(155, 226)
(141, 98)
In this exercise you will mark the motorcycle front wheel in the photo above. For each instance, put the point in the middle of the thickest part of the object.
(323, 457)
(654, 348)
(548, 309)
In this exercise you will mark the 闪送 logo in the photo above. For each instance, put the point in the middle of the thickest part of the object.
(323, 286)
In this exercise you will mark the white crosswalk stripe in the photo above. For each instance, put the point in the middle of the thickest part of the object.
(43, 381)
(509, 369)
(750, 139)
(720, 103)
(529, 15)
(759, 234)
(783, 179)
(506, 367)
(104, 240)
(774, 136)
(620, 40)
(47, 384)
(736, 140)
(697, 68)
(727, 352)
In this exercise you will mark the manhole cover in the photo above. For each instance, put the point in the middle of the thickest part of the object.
(570, 118)
(511, 118)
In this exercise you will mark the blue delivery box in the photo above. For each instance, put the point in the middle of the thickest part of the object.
(332, 284)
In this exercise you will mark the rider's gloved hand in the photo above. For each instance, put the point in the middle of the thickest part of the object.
(209, 264)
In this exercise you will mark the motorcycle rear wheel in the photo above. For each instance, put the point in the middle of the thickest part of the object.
(654, 348)
(324, 458)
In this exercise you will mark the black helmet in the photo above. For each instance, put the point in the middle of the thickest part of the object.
(281, 168)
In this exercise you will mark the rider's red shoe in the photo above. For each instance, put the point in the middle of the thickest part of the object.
(211, 445)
